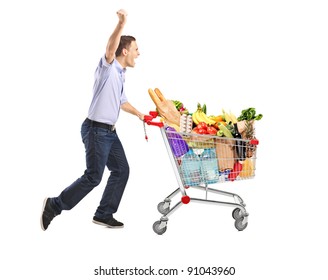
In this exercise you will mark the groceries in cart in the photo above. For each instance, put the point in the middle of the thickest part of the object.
(211, 148)
(203, 150)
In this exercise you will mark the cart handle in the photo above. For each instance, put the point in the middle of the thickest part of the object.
(152, 115)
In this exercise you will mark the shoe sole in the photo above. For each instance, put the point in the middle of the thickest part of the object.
(44, 205)
(106, 225)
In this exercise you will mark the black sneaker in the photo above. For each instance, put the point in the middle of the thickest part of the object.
(112, 223)
(48, 214)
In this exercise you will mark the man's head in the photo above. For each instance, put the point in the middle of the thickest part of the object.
(127, 51)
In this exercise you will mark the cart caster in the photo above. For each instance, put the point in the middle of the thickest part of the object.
(157, 229)
(240, 225)
(237, 214)
(163, 207)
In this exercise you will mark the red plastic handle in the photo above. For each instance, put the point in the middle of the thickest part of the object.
(254, 142)
(152, 115)
(147, 118)
(159, 124)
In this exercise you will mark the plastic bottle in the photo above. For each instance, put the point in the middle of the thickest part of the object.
(190, 167)
(210, 166)
(224, 175)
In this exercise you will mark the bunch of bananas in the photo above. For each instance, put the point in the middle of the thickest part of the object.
(200, 116)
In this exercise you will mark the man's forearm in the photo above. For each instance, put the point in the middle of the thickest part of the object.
(127, 107)
(114, 39)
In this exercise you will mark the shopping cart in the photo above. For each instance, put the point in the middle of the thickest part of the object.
(202, 160)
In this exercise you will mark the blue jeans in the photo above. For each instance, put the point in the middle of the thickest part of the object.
(103, 148)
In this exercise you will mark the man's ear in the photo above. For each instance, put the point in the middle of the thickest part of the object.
(125, 51)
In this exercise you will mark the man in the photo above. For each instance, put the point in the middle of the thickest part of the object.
(102, 144)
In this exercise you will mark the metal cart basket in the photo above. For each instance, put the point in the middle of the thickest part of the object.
(202, 160)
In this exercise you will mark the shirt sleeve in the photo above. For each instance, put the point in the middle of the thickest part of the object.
(102, 72)
(123, 97)
(104, 62)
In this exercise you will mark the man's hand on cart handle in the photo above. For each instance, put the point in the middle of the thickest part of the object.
(147, 119)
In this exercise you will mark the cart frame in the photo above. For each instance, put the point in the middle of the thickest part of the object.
(239, 214)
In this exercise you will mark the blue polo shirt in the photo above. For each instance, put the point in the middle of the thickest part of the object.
(108, 92)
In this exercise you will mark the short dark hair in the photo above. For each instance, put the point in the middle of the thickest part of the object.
(125, 43)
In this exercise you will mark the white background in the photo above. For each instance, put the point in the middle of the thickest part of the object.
(271, 55)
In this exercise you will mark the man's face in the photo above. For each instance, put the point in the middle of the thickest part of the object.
(132, 54)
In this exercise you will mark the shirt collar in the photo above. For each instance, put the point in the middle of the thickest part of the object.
(119, 67)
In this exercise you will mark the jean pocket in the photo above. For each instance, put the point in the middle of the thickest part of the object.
(101, 135)
(100, 131)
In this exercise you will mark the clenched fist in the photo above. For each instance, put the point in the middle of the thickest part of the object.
(122, 14)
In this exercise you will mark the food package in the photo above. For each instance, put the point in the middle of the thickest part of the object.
(225, 151)
(248, 169)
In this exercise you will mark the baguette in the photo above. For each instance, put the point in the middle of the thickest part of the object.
(165, 108)
(154, 97)
(159, 94)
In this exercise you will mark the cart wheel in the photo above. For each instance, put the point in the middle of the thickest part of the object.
(239, 224)
(237, 214)
(157, 229)
(161, 209)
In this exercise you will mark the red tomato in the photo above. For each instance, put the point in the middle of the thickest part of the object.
(211, 130)
(202, 131)
(202, 125)
(195, 130)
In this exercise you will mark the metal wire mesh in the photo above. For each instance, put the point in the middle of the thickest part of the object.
(210, 159)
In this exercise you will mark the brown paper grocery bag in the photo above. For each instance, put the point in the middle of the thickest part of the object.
(166, 108)
(225, 153)
(241, 125)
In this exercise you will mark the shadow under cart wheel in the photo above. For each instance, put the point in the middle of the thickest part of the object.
(157, 229)
(161, 209)
(239, 224)
(237, 214)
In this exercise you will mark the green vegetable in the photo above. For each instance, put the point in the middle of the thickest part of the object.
(231, 128)
(177, 104)
(220, 133)
(226, 132)
(249, 114)
(204, 109)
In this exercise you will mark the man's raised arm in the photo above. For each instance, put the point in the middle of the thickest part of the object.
(114, 39)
